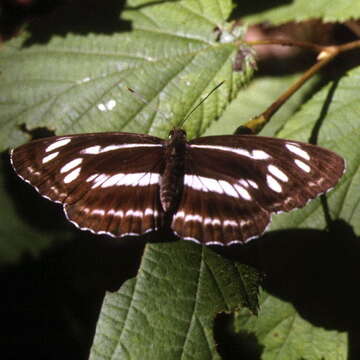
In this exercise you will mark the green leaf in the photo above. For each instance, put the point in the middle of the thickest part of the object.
(335, 112)
(255, 98)
(302, 10)
(188, 19)
(285, 335)
(331, 117)
(168, 311)
(78, 84)
(18, 237)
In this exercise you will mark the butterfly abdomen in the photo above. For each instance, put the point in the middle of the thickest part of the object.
(172, 178)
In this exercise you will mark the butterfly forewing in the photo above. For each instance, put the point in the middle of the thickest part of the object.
(108, 182)
(242, 179)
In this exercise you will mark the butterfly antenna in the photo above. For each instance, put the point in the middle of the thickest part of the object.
(146, 102)
(201, 101)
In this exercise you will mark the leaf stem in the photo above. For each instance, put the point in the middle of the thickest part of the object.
(326, 54)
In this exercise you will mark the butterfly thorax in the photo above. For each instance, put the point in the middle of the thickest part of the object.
(171, 182)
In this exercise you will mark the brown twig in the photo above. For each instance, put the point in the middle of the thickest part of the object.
(326, 54)
(287, 42)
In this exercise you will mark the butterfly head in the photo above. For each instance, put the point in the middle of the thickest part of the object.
(177, 134)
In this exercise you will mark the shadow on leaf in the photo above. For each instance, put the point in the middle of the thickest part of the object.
(315, 270)
(79, 17)
(232, 345)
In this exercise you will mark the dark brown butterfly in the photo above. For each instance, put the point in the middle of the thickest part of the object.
(213, 190)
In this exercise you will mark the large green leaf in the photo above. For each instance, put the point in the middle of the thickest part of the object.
(285, 335)
(255, 98)
(331, 118)
(300, 10)
(78, 84)
(168, 311)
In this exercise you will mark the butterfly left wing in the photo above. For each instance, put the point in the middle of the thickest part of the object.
(108, 182)
(232, 184)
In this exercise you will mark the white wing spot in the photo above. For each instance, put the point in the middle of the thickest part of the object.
(244, 183)
(231, 223)
(319, 182)
(92, 150)
(128, 179)
(302, 165)
(119, 213)
(72, 175)
(255, 154)
(50, 157)
(228, 188)
(150, 212)
(30, 169)
(112, 180)
(92, 177)
(154, 179)
(274, 170)
(242, 192)
(244, 223)
(145, 180)
(70, 165)
(134, 179)
(137, 179)
(203, 183)
(111, 148)
(58, 143)
(97, 149)
(216, 221)
(194, 182)
(253, 184)
(206, 184)
(210, 184)
(212, 221)
(135, 213)
(195, 217)
(260, 155)
(99, 180)
(100, 212)
(294, 148)
(179, 214)
(273, 184)
(54, 190)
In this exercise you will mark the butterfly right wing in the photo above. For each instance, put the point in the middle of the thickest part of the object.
(232, 184)
(108, 182)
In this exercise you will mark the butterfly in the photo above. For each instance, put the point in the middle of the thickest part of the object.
(212, 190)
